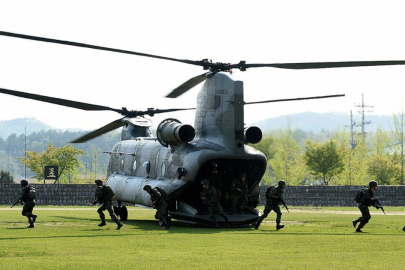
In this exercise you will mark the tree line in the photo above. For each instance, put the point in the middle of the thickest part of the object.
(337, 158)
(299, 157)
(91, 163)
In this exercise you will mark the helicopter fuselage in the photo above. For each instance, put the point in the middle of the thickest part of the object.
(177, 164)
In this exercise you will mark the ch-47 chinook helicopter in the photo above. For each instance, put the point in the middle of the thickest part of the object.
(179, 157)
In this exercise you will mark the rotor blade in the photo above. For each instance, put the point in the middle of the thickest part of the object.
(294, 99)
(187, 86)
(152, 112)
(83, 45)
(316, 65)
(109, 127)
(59, 101)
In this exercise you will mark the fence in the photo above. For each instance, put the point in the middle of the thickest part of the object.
(317, 196)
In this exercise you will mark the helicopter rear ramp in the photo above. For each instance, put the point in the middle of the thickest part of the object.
(187, 214)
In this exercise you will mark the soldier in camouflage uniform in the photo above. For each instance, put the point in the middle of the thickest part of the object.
(239, 190)
(104, 197)
(29, 202)
(214, 178)
(210, 196)
(274, 197)
(227, 177)
(367, 200)
(160, 205)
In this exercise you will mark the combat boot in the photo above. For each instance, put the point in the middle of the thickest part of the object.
(278, 227)
(355, 223)
(31, 223)
(102, 223)
(119, 225)
(257, 224)
(359, 230)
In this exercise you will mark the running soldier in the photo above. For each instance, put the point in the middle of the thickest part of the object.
(274, 197)
(159, 203)
(28, 195)
(210, 196)
(104, 196)
(367, 199)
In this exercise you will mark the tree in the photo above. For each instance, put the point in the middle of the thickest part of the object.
(323, 160)
(399, 134)
(66, 158)
(287, 163)
(383, 169)
(6, 177)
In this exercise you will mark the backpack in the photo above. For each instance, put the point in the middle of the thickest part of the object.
(162, 193)
(32, 193)
(358, 196)
(267, 194)
(108, 192)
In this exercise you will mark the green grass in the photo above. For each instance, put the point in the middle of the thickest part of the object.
(314, 238)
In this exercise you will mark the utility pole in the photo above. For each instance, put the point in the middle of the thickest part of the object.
(352, 143)
(363, 122)
(25, 152)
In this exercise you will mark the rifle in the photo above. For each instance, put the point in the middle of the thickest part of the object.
(247, 195)
(379, 206)
(205, 198)
(284, 205)
(14, 204)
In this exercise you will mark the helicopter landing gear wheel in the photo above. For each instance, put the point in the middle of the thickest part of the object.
(124, 213)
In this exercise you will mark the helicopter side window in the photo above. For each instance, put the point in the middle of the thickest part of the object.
(163, 169)
(134, 166)
(122, 164)
(146, 165)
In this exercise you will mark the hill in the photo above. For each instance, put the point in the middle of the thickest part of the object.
(19, 125)
(317, 122)
(308, 121)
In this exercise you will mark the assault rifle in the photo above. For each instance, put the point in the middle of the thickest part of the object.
(284, 205)
(247, 195)
(379, 206)
(14, 204)
(205, 198)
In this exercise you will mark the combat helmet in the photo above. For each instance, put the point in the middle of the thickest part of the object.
(98, 182)
(24, 183)
(242, 175)
(205, 182)
(281, 183)
(372, 183)
(147, 187)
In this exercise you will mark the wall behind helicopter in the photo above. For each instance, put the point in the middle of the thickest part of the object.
(317, 196)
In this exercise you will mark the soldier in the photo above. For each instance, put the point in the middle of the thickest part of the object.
(239, 190)
(227, 179)
(160, 204)
(28, 195)
(210, 195)
(104, 195)
(214, 178)
(274, 197)
(367, 200)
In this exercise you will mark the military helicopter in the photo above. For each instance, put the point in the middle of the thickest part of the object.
(180, 156)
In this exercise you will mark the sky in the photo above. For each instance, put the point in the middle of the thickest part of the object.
(224, 31)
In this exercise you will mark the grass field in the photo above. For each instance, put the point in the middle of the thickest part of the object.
(314, 238)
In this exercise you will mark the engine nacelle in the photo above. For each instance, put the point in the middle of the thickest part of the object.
(253, 135)
(171, 132)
